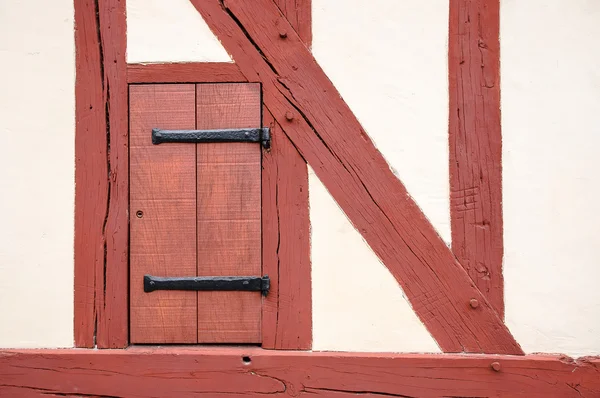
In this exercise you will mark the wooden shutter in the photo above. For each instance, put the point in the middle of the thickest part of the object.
(195, 211)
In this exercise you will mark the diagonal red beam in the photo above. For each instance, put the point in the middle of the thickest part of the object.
(299, 14)
(476, 144)
(319, 123)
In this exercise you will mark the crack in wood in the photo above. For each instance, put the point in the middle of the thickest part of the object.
(343, 392)
(245, 32)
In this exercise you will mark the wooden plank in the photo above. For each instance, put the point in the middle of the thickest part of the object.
(101, 237)
(163, 213)
(287, 310)
(229, 223)
(191, 72)
(322, 127)
(159, 372)
(476, 144)
(299, 15)
(111, 280)
(91, 184)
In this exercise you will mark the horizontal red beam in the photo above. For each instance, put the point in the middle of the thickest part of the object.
(193, 72)
(237, 371)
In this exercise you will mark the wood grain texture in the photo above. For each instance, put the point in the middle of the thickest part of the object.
(222, 372)
(320, 124)
(476, 144)
(229, 212)
(101, 246)
(163, 235)
(287, 310)
(91, 165)
(192, 72)
(111, 295)
(299, 15)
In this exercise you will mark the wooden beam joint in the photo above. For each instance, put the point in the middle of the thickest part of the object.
(321, 126)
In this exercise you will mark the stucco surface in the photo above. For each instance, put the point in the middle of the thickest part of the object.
(551, 134)
(37, 132)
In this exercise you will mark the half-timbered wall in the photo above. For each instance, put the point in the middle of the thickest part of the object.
(389, 60)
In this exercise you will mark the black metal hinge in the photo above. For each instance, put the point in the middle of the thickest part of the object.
(261, 135)
(208, 283)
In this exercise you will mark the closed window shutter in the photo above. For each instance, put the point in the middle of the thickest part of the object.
(195, 211)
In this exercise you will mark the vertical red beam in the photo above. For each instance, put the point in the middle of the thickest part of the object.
(101, 175)
(112, 293)
(91, 184)
(476, 144)
(287, 310)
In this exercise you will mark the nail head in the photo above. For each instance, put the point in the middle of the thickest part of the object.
(282, 34)
(289, 116)
(474, 303)
(496, 366)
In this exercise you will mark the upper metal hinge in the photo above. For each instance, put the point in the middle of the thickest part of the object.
(261, 135)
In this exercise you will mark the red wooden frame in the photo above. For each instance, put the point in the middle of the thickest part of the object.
(101, 176)
(300, 133)
(194, 72)
(320, 124)
(181, 372)
(287, 310)
(476, 144)
(101, 227)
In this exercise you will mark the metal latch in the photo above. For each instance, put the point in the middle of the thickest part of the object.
(261, 135)
(208, 283)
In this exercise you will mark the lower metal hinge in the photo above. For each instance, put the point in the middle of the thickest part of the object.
(208, 283)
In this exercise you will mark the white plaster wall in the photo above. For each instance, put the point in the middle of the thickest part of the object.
(37, 77)
(169, 31)
(388, 59)
(551, 131)
(357, 303)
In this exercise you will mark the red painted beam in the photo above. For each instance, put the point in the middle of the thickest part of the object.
(112, 280)
(299, 14)
(320, 124)
(187, 372)
(287, 309)
(91, 165)
(476, 144)
(101, 176)
(193, 72)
